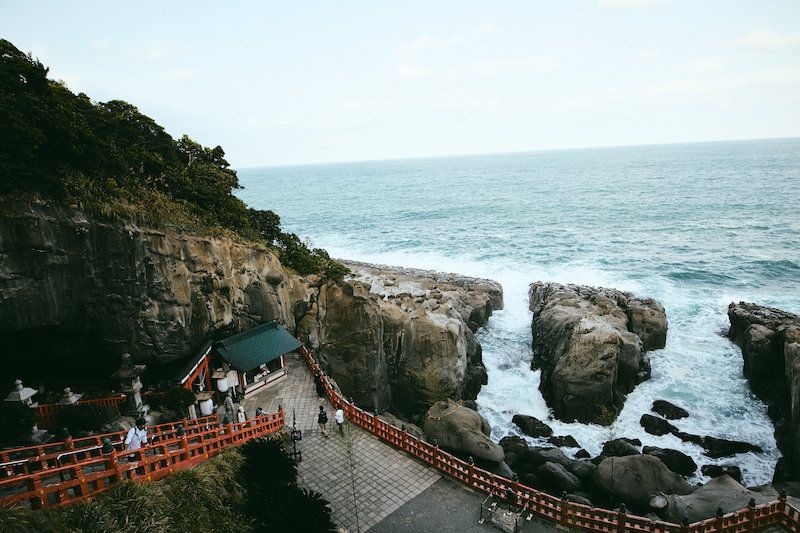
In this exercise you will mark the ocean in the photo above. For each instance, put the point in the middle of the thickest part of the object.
(695, 226)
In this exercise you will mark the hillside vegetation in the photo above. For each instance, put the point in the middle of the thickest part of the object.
(111, 160)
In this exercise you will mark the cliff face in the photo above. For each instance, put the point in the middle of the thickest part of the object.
(70, 284)
(770, 343)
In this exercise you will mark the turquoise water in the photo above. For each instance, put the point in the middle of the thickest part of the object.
(695, 226)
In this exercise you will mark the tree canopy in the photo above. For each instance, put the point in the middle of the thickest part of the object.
(108, 157)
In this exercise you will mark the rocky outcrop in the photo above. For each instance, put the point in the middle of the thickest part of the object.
(461, 430)
(591, 345)
(532, 426)
(635, 479)
(770, 343)
(722, 492)
(73, 285)
(425, 331)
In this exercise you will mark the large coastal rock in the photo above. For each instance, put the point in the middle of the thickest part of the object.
(427, 324)
(591, 345)
(635, 479)
(76, 286)
(770, 343)
(462, 430)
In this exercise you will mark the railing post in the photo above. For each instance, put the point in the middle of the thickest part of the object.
(685, 525)
(38, 500)
(435, 453)
(564, 509)
(782, 501)
(751, 515)
(471, 471)
(181, 433)
(515, 487)
(718, 515)
(621, 517)
(112, 461)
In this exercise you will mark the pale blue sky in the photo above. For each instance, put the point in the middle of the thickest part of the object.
(301, 82)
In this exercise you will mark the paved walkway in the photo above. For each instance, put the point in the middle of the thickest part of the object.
(364, 479)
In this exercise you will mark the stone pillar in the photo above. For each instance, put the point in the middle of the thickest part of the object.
(131, 385)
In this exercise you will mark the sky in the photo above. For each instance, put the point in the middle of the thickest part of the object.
(296, 82)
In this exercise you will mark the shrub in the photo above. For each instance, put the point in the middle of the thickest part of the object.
(178, 399)
(81, 418)
(17, 420)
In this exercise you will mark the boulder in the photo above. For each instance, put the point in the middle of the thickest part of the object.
(461, 430)
(531, 426)
(635, 479)
(733, 471)
(668, 410)
(583, 470)
(558, 477)
(716, 448)
(655, 425)
(565, 441)
(619, 448)
(515, 449)
(538, 456)
(678, 462)
(590, 344)
(702, 504)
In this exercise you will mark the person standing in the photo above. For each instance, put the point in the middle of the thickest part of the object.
(241, 416)
(340, 420)
(136, 436)
(322, 420)
(230, 410)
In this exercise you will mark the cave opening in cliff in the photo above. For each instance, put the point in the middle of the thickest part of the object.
(51, 358)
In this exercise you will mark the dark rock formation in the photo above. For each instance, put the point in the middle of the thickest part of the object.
(668, 410)
(558, 477)
(770, 343)
(516, 451)
(531, 426)
(635, 479)
(590, 344)
(619, 448)
(678, 462)
(564, 441)
(722, 470)
(461, 430)
(655, 425)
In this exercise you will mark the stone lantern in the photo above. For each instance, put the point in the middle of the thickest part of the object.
(69, 398)
(24, 395)
(131, 385)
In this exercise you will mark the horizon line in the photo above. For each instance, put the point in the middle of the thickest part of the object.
(511, 152)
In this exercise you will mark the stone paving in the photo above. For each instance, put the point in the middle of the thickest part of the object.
(364, 479)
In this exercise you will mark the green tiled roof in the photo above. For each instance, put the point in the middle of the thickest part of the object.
(258, 345)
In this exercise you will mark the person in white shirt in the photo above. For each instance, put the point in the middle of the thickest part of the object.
(340, 420)
(136, 437)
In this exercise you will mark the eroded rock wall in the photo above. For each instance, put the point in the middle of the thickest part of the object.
(591, 345)
(770, 343)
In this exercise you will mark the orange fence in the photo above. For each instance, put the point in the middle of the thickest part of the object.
(544, 505)
(47, 414)
(70, 471)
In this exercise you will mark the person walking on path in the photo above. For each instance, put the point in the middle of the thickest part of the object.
(241, 416)
(322, 419)
(340, 420)
(136, 436)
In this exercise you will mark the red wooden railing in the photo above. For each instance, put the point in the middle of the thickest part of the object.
(74, 470)
(544, 505)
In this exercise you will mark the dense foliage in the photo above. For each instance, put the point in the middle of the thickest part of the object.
(110, 158)
(220, 495)
(17, 420)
